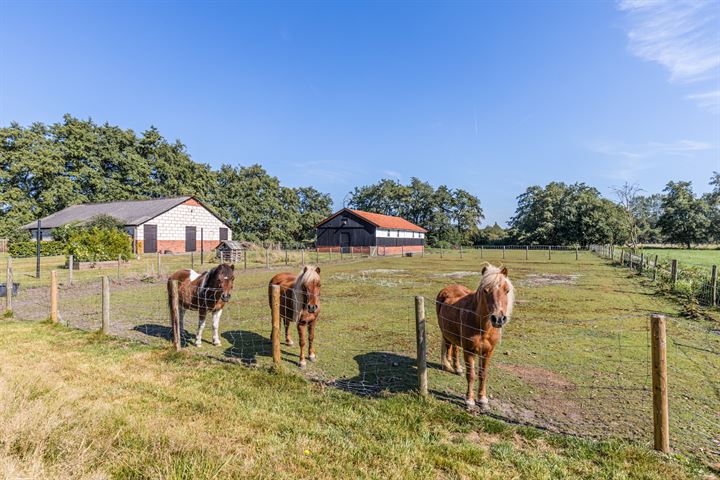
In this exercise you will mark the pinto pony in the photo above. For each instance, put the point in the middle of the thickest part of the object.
(299, 303)
(204, 292)
(473, 321)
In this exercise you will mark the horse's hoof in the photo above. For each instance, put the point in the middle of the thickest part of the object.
(459, 371)
(470, 404)
(289, 343)
(303, 364)
(198, 343)
(312, 358)
(447, 368)
(217, 343)
(484, 402)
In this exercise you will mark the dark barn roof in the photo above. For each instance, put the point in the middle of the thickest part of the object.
(129, 212)
(379, 220)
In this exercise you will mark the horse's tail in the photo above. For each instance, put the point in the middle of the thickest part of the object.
(174, 314)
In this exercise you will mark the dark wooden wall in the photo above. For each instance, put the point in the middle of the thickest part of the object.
(362, 232)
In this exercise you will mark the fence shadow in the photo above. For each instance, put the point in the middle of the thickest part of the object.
(379, 373)
(246, 346)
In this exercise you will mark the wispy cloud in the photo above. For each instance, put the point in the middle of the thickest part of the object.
(708, 100)
(682, 148)
(680, 35)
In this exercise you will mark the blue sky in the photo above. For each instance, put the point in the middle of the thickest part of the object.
(487, 96)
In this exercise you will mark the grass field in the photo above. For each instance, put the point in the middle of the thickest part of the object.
(698, 257)
(574, 359)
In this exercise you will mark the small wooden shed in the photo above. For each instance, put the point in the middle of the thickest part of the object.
(230, 251)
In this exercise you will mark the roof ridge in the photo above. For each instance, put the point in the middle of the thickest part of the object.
(127, 201)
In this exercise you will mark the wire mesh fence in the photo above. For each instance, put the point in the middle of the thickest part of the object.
(586, 375)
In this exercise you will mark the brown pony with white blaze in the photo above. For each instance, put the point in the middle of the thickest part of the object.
(204, 292)
(299, 303)
(473, 321)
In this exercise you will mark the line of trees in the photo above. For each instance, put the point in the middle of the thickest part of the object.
(45, 168)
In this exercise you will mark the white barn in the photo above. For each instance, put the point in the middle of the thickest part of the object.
(178, 224)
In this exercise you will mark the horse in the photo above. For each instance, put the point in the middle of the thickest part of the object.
(473, 321)
(299, 303)
(204, 292)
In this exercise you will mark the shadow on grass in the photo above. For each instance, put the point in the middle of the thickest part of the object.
(246, 346)
(164, 332)
(382, 373)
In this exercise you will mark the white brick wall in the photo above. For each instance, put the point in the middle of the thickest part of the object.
(171, 224)
(394, 233)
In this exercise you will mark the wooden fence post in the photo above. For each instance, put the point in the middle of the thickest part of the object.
(105, 305)
(631, 259)
(503, 252)
(286, 256)
(267, 259)
(192, 260)
(421, 345)
(481, 251)
(576, 253)
(317, 255)
(655, 268)
(527, 250)
(159, 265)
(659, 381)
(202, 246)
(275, 334)
(175, 313)
(641, 267)
(461, 252)
(713, 286)
(71, 268)
(53, 297)
(549, 252)
(302, 257)
(245, 259)
(673, 273)
(119, 266)
(9, 288)
(441, 253)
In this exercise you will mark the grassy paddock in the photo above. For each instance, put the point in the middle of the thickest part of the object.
(574, 359)
(77, 405)
(703, 257)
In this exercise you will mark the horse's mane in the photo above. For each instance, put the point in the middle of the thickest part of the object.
(212, 273)
(306, 277)
(493, 277)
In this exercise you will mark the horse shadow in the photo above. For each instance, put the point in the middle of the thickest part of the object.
(164, 332)
(246, 346)
(381, 373)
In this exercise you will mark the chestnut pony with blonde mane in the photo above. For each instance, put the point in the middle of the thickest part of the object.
(473, 321)
(299, 303)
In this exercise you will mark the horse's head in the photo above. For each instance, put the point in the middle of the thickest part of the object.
(309, 287)
(497, 295)
(222, 280)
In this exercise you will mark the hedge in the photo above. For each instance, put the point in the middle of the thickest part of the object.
(28, 249)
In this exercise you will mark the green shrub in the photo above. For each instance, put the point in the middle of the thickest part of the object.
(98, 244)
(28, 249)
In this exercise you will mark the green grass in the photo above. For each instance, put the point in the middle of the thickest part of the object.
(574, 359)
(79, 405)
(699, 257)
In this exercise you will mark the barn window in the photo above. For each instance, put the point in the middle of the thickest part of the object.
(343, 221)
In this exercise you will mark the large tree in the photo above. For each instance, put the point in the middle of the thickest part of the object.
(684, 217)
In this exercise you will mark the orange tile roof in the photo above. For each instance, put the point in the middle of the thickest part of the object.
(388, 221)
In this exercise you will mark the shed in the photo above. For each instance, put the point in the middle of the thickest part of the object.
(357, 231)
(230, 251)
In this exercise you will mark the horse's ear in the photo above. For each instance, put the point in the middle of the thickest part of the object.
(483, 270)
(317, 269)
(305, 269)
(232, 266)
(504, 271)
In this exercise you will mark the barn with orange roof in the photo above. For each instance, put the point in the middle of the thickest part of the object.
(357, 231)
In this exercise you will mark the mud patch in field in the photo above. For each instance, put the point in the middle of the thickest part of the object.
(535, 280)
(381, 271)
(457, 275)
